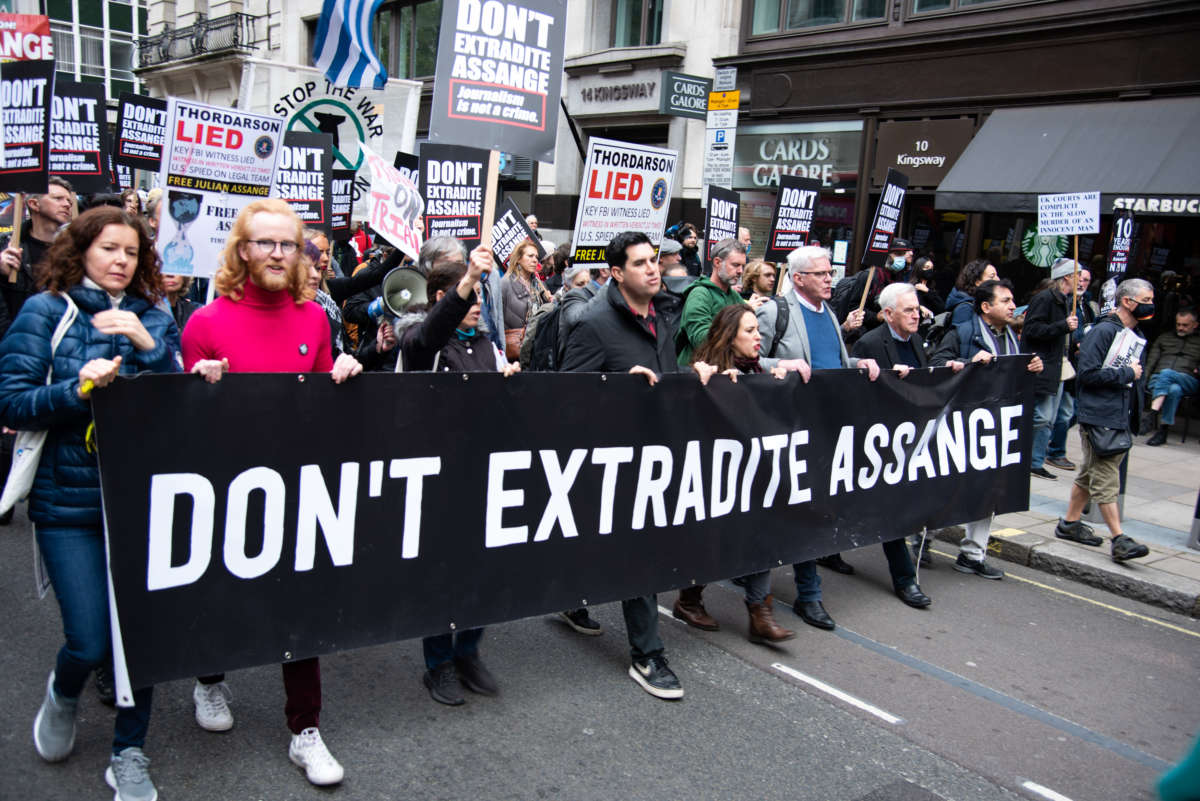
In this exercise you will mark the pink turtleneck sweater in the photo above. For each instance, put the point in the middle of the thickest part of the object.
(264, 332)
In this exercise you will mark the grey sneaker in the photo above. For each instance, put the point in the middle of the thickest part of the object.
(129, 774)
(54, 726)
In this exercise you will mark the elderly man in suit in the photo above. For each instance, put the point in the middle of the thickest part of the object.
(804, 335)
(896, 345)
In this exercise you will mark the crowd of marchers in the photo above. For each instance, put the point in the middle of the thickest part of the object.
(86, 302)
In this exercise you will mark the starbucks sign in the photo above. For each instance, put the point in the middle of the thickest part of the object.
(1042, 250)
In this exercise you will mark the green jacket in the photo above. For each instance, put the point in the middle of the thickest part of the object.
(702, 302)
(1173, 352)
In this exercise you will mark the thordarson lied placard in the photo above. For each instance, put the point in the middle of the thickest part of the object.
(257, 533)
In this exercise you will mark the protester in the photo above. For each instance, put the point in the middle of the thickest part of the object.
(857, 323)
(47, 213)
(689, 239)
(263, 322)
(1110, 399)
(532, 221)
(924, 274)
(131, 201)
(620, 333)
(708, 295)
(361, 239)
(573, 278)
(745, 238)
(812, 340)
(670, 258)
(984, 337)
(1048, 325)
(732, 346)
(523, 293)
(1172, 366)
(961, 300)
(176, 288)
(102, 277)
(896, 345)
(556, 263)
(1064, 418)
(758, 280)
(153, 205)
(317, 291)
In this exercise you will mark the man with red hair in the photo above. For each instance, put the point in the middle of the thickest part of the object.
(265, 322)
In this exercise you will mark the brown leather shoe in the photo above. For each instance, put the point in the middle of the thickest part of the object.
(763, 627)
(690, 609)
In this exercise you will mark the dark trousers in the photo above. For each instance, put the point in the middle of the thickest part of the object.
(302, 688)
(641, 625)
(442, 648)
(808, 581)
(900, 563)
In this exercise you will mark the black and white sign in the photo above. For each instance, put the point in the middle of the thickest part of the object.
(791, 222)
(887, 217)
(304, 177)
(79, 136)
(499, 76)
(385, 528)
(453, 181)
(1064, 215)
(341, 199)
(1119, 248)
(720, 219)
(684, 95)
(510, 230)
(26, 93)
(141, 131)
(409, 166)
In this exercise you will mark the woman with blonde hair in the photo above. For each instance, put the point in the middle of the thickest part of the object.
(523, 294)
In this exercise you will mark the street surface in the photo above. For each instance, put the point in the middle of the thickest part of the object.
(1031, 687)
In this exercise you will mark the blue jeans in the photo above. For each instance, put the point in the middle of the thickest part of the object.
(1045, 411)
(808, 581)
(1062, 424)
(442, 648)
(76, 564)
(1173, 386)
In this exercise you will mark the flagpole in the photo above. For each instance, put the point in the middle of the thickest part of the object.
(15, 240)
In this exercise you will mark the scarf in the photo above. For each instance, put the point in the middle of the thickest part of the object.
(745, 365)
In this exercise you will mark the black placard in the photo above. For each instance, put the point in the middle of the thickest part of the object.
(791, 222)
(26, 93)
(720, 220)
(1120, 244)
(510, 230)
(341, 200)
(409, 166)
(79, 136)
(887, 217)
(304, 177)
(499, 76)
(141, 131)
(385, 527)
(453, 180)
(120, 175)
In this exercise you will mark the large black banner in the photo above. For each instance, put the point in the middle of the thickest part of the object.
(26, 93)
(79, 148)
(262, 532)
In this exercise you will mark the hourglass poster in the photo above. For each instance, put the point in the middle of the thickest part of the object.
(215, 162)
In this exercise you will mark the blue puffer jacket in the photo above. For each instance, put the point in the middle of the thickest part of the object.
(66, 491)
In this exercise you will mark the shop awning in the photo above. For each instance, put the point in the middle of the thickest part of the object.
(1148, 149)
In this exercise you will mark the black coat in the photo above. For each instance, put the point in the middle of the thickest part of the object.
(1104, 397)
(880, 345)
(1045, 333)
(609, 339)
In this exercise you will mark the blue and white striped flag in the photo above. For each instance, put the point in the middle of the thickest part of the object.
(344, 50)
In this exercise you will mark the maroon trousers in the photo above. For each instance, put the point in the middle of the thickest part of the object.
(302, 686)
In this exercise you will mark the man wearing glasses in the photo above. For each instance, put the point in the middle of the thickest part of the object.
(811, 340)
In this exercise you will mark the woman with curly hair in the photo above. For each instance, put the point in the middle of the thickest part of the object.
(96, 318)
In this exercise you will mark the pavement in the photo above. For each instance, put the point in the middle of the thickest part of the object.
(1159, 507)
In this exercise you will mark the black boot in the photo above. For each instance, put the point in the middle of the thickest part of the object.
(1159, 438)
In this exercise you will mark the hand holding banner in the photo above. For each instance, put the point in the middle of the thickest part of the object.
(396, 205)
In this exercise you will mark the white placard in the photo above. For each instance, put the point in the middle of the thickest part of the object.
(1063, 215)
(395, 204)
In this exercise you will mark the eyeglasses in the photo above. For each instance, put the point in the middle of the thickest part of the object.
(819, 273)
(267, 246)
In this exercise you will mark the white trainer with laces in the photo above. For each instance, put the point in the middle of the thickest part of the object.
(308, 751)
(212, 706)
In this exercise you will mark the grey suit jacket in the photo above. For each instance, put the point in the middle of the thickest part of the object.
(794, 344)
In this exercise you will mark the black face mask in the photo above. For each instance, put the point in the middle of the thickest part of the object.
(925, 275)
(1143, 311)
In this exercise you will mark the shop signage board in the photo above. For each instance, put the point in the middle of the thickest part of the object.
(925, 150)
(636, 92)
(827, 151)
(684, 95)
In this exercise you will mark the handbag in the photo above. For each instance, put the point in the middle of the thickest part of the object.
(1109, 441)
(27, 450)
(1068, 369)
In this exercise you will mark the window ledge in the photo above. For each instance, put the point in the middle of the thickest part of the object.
(668, 54)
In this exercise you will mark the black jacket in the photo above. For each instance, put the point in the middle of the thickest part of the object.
(19, 291)
(610, 339)
(182, 310)
(428, 339)
(1045, 333)
(951, 347)
(880, 345)
(1104, 397)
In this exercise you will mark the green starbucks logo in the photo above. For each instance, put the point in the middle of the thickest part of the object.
(1042, 250)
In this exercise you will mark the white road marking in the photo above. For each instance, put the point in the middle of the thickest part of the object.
(662, 610)
(839, 694)
(1044, 792)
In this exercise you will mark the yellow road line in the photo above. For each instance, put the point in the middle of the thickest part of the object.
(1092, 601)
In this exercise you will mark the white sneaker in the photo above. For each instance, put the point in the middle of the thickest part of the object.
(212, 706)
(308, 751)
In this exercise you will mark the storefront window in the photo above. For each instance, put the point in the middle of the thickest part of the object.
(827, 151)
(406, 36)
(771, 16)
(637, 22)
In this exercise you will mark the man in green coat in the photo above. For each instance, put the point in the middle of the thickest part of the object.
(708, 295)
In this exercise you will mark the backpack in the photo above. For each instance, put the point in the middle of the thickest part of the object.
(529, 349)
(937, 331)
(844, 297)
(782, 315)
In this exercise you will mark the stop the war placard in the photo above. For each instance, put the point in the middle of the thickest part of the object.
(510, 230)
(499, 76)
(304, 177)
(141, 130)
(453, 180)
(395, 204)
(1063, 215)
(79, 136)
(216, 161)
(626, 187)
(26, 93)
(720, 220)
(791, 222)
(887, 217)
